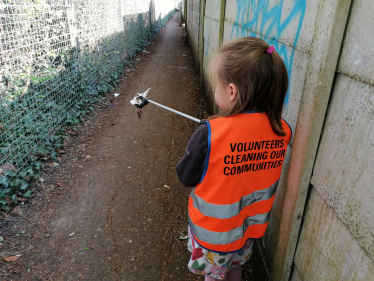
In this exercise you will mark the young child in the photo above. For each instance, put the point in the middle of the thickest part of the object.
(234, 160)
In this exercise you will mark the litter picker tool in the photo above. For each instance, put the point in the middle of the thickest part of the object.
(140, 100)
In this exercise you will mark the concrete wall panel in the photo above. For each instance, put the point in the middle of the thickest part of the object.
(193, 24)
(327, 250)
(211, 28)
(297, 71)
(357, 59)
(212, 9)
(211, 36)
(208, 52)
(212, 39)
(280, 20)
(343, 173)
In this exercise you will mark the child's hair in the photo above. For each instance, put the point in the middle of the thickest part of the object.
(261, 78)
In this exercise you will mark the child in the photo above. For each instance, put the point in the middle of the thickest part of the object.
(234, 160)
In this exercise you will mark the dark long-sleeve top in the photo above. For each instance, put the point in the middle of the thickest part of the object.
(191, 167)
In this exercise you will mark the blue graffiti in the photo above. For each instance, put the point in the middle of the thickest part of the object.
(270, 24)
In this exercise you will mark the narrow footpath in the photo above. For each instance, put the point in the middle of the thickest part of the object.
(114, 209)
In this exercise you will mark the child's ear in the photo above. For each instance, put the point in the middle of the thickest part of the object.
(233, 92)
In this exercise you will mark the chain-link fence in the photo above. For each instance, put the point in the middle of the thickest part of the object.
(57, 58)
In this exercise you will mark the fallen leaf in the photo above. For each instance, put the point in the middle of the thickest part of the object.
(17, 210)
(8, 167)
(11, 258)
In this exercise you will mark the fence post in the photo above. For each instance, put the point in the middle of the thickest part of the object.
(201, 40)
(222, 21)
(185, 11)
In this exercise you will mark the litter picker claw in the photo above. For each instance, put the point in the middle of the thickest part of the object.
(140, 101)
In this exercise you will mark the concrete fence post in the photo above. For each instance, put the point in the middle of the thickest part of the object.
(185, 11)
(201, 40)
(222, 21)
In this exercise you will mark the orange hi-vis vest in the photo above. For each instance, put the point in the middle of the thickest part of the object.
(233, 200)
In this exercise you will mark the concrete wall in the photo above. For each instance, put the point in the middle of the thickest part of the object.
(337, 240)
(212, 35)
(327, 76)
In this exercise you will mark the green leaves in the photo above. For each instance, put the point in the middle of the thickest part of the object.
(10, 173)
(28, 193)
(4, 182)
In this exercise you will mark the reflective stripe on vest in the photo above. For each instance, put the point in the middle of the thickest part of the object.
(231, 210)
(223, 238)
(233, 200)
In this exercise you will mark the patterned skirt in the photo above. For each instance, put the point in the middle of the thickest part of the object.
(215, 264)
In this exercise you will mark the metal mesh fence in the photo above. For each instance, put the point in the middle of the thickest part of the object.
(58, 56)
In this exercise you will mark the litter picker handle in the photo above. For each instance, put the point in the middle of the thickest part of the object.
(175, 111)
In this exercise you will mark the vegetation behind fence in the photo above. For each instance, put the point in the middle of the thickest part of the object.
(57, 59)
